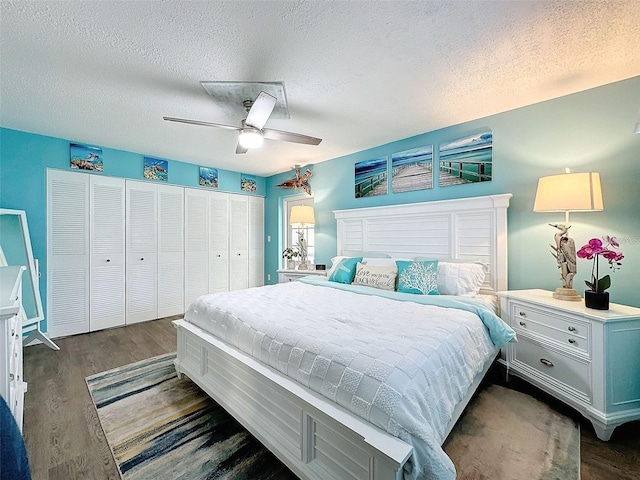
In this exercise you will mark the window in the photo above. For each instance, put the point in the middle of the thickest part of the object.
(290, 234)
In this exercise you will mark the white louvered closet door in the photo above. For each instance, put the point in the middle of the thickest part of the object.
(67, 253)
(107, 260)
(196, 256)
(142, 244)
(170, 250)
(218, 242)
(238, 242)
(256, 241)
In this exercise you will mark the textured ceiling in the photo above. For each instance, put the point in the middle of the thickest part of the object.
(357, 74)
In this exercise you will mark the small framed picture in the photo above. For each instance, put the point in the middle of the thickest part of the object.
(248, 183)
(155, 169)
(371, 177)
(208, 177)
(86, 158)
(412, 169)
(466, 160)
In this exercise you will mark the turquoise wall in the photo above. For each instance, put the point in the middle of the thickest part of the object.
(24, 158)
(586, 131)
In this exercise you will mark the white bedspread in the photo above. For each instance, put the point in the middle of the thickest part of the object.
(400, 365)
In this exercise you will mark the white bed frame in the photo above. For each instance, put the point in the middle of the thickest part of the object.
(316, 438)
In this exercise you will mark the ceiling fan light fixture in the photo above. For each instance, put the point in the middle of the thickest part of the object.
(250, 138)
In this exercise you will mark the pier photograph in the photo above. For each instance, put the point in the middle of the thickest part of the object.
(371, 177)
(466, 160)
(412, 169)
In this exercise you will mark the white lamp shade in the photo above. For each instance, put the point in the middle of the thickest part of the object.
(302, 215)
(570, 192)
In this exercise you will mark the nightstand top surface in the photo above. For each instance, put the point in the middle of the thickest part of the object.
(544, 298)
(302, 272)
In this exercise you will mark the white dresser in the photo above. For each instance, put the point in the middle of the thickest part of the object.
(588, 358)
(12, 385)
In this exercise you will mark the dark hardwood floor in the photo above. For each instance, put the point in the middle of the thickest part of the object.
(65, 441)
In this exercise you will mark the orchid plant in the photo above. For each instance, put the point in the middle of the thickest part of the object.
(593, 251)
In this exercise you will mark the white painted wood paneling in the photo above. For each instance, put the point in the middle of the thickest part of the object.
(107, 245)
(142, 252)
(196, 257)
(238, 242)
(67, 253)
(256, 241)
(218, 242)
(170, 250)
(460, 229)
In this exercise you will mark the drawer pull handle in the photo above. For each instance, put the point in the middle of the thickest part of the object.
(11, 376)
(546, 362)
(571, 329)
(571, 340)
(108, 260)
(522, 314)
(13, 332)
(522, 324)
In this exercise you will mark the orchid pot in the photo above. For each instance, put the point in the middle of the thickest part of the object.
(596, 297)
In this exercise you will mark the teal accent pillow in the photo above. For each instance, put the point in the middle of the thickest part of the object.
(345, 270)
(418, 277)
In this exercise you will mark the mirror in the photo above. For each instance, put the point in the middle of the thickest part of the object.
(15, 249)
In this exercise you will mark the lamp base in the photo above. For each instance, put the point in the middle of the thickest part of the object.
(569, 294)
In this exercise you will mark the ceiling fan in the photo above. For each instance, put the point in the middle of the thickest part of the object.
(252, 131)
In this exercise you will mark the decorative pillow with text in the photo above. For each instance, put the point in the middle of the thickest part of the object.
(383, 277)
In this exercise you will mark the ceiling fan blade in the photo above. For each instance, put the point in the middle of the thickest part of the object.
(198, 122)
(241, 149)
(261, 110)
(289, 137)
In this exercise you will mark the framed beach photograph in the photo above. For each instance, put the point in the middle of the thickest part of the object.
(466, 160)
(371, 177)
(84, 157)
(155, 169)
(248, 183)
(412, 169)
(208, 177)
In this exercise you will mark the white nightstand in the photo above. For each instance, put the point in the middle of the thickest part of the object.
(588, 358)
(285, 275)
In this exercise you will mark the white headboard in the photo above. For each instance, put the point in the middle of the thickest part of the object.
(462, 229)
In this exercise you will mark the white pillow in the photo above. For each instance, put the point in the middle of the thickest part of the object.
(334, 263)
(382, 277)
(460, 278)
(357, 253)
(381, 262)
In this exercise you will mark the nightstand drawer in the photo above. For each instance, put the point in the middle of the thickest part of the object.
(568, 331)
(553, 364)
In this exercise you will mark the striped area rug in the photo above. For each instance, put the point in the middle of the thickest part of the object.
(159, 427)
(162, 428)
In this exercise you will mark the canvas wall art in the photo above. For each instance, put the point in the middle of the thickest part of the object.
(248, 183)
(412, 169)
(466, 160)
(371, 177)
(86, 158)
(208, 177)
(155, 169)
